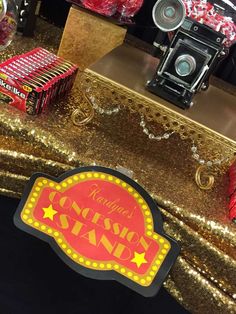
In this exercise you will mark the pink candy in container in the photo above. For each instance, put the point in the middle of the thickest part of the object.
(204, 12)
(128, 8)
(8, 22)
(104, 7)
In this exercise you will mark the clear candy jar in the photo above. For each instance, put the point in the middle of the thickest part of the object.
(8, 22)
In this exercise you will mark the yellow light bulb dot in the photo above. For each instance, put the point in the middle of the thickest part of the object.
(74, 256)
(40, 184)
(136, 278)
(152, 273)
(96, 175)
(109, 266)
(103, 176)
(69, 181)
(130, 190)
(158, 262)
(63, 246)
(116, 267)
(25, 217)
(149, 279)
(149, 233)
(161, 241)
(35, 194)
(76, 178)
(149, 227)
(64, 184)
(155, 236)
(30, 221)
(154, 268)
(32, 200)
(58, 187)
(124, 185)
(101, 265)
(160, 256)
(36, 224)
(140, 201)
(50, 231)
(27, 211)
(37, 189)
(81, 260)
(118, 181)
(30, 205)
(69, 251)
(143, 281)
(149, 220)
(166, 246)
(130, 274)
(147, 213)
(51, 184)
(136, 195)
(56, 234)
(110, 178)
(43, 227)
(82, 176)
(122, 270)
(144, 207)
(95, 265)
(87, 263)
(45, 181)
(89, 175)
(59, 240)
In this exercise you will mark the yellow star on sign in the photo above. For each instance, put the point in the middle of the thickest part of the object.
(49, 212)
(139, 259)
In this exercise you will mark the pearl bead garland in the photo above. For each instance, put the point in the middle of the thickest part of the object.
(100, 110)
(201, 161)
(151, 136)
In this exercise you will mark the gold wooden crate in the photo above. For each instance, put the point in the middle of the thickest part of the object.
(87, 38)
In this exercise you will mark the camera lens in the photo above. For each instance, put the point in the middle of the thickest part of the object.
(169, 12)
(185, 65)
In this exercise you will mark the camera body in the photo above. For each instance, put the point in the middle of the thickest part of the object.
(193, 52)
(186, 65)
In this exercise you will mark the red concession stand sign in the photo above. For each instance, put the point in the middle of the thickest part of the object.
(102, 224)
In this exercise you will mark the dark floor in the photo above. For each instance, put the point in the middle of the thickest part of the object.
(33, 280)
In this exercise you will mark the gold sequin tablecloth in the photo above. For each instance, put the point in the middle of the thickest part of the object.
(204, 277)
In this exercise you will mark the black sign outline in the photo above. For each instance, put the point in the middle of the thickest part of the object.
(167, 264)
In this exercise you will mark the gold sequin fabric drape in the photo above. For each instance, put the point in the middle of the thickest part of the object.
(204, 277)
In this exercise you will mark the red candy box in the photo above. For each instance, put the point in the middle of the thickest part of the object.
(32, 81)
(232, 192)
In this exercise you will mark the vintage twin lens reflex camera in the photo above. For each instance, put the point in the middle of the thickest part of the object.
(188, 62)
